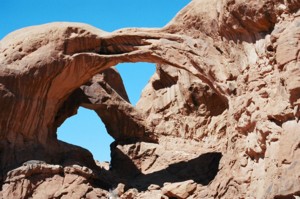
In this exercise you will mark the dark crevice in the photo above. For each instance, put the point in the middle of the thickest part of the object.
(102, 183)
(165, 80)
(219, 49)
(288, 196)
(280, 119)
(270, 48)
(277, 122)
(120, 44)
(204, 95)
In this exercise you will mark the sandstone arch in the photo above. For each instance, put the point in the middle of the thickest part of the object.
(48, 68)
(61, 64)
(246, 52)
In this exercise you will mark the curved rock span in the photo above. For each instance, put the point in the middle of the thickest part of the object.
(218, 119)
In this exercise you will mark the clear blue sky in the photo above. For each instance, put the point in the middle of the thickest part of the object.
(86, 129)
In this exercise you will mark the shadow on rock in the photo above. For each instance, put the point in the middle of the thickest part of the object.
(202, 170)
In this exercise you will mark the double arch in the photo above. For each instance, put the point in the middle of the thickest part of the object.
(49, 62)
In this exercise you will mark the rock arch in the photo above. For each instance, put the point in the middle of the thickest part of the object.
(43, 65)
(244, 52)
(53, 67)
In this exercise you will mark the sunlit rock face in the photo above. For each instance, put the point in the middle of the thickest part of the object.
(218, 119)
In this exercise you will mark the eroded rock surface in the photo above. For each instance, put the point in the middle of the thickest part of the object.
(218, 119)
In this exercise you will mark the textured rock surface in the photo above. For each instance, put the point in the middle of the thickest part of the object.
(218, 119)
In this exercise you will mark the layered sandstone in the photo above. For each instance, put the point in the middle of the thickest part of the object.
(218, 119)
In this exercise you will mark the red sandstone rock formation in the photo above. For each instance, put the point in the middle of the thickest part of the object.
(218, 119)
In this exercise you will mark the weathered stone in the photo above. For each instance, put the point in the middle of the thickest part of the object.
(218, 119)
(180, 189)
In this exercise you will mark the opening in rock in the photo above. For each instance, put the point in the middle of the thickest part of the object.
(85, 129)
(135, 77)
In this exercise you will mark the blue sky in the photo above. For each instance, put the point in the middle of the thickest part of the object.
(86, 129)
